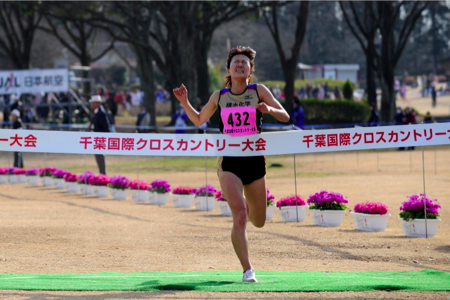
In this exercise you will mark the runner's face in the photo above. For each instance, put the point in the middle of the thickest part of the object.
(240, 67)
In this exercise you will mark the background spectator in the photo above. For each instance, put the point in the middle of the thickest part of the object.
(298, 114)
(143, 119)
(17, 124)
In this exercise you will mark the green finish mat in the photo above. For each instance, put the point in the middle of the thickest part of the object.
(230, 281)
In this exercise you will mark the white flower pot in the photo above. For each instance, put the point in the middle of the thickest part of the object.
(3, 178)
(182, 201)
(12, 178)
(139, 196)
(66, 186)
(119, 194)
(22, 178)
(101, 191)
(416, 227)
(269, 212)
(328, 218)
(47, 181)
(32, 179)
(224, 208)
(205, 203)
(289, 213)
(58, 182)
(86, 189)
(368, 222)
(160, 199)
(72, 187)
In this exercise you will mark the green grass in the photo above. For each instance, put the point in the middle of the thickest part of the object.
(230, 281)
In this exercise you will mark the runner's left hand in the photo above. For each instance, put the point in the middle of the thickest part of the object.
(263, 108)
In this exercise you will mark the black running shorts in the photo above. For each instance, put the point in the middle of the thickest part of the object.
(247, 168)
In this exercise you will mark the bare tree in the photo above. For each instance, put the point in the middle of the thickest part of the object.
(364, 28)
(66, 22)
(176, 35)
(18, 24)
(288, 64)
(393, 42)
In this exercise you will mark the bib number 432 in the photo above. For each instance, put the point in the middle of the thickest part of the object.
(239, 121)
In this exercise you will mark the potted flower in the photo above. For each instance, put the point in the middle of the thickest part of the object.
(32, 176)
(12, 178)
(370, 216)
(182, 197)
(100, 183)
(292, 208)
(58, 177)
(119, 187)
(413, 216)
(204, 198)
(46, 175)
(327, 208)
(161, 191)
(20, 174)
(270, 205)
(139, 190)
(83, 183)
(224, 208)
(3, 175)
(71, 180)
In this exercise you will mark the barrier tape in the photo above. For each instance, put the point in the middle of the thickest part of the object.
(274, 143)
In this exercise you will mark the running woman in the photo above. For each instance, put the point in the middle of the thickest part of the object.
(242, 179)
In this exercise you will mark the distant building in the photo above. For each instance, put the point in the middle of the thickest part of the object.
(332, 71)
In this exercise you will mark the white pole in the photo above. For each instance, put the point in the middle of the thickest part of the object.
(424, 194)
(295, 182)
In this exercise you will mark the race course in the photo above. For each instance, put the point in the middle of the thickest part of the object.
(47, 231)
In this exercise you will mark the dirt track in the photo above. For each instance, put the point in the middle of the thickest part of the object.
(44, 230)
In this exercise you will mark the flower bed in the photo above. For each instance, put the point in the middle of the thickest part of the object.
(119, 182)
(414, 208)
(182, 197)
(371, 208)
(205, 198)
(325, 200)
(160, 186)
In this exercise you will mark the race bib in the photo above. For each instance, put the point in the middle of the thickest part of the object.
(239, 121)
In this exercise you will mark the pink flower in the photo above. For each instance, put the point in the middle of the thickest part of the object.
(291, 201)
(70, 177)
(139, 185)
(101, 180)
(219, 196)
(372, 208)
(181, 190)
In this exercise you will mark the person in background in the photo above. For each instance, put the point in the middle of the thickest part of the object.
(17, 124)
(6, 112)
(337, 93)
(410, 118)
(398, 120)
(298, 114)
(143, 119)
(373, 121)
(99, 123)
(428, 118)
(180, 118)
(433, 95)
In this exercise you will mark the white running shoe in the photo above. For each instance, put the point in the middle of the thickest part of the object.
(249, 276)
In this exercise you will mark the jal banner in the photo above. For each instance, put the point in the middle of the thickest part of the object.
(34, 81)
(274, 143)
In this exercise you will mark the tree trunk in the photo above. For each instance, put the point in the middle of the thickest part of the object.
(370, 75)
(146, 74)
(289, 78)
(203, 92)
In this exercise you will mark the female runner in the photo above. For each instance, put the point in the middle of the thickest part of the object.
(242, 179)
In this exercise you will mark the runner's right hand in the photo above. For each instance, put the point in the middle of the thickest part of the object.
(181, 94)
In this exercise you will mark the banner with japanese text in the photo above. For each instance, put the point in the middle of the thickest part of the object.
(34, 81)
(273, 143)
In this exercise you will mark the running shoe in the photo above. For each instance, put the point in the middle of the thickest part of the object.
(249, 276)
